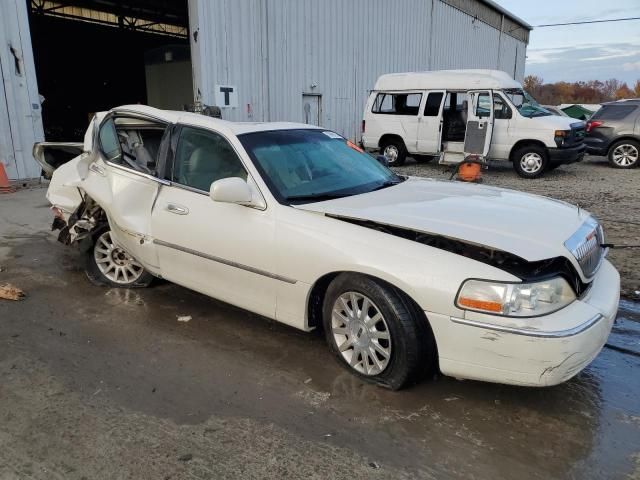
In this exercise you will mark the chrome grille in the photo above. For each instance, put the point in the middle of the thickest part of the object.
(585, 246)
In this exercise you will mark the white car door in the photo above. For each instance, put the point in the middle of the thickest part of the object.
(430, 128)
(223, 250)
(127, 196)
(477, 139)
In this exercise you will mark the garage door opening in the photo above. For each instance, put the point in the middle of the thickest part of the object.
(92, 55)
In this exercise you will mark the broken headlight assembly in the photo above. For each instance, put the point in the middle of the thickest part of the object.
(515, 299)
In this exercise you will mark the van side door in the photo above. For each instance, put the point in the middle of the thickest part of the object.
(480, 116)
(504, 136)
(430, 129)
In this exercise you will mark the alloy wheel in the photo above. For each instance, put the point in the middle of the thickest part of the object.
(361, 333)
(114, 263)
(625, 155)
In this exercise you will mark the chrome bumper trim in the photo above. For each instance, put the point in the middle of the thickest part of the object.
(532, 333)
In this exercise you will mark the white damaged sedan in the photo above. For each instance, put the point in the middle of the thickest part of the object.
(295, 223)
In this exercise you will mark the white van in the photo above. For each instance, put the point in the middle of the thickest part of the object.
(449, 114)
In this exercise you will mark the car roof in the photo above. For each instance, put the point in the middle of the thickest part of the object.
(197, 119)
(469, 79)
(628, 101)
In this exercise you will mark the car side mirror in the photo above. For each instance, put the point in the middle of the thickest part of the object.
(231, 190)
(383, 160)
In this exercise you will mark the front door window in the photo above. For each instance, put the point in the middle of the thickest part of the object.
(204, 157)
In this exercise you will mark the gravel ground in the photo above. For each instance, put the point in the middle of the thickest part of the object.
(612, 195)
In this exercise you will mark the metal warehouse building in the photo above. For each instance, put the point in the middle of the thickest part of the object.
(310, 61)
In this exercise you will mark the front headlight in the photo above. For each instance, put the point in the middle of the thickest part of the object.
(515, 299)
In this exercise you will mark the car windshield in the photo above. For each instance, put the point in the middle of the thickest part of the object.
(308, 165)
(525, 103)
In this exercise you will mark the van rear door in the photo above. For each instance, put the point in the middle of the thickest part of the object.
(430, 129)
(477, 139)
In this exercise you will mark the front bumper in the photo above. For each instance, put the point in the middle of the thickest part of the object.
(540, 351)
(562, 156)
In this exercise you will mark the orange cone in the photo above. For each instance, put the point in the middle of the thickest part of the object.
(4, 181)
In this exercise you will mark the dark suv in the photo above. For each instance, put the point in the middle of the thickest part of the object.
(614, 131)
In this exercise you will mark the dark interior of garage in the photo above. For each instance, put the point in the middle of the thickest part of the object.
(90, 55)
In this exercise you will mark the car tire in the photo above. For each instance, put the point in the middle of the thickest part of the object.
(108, 265)
(394, 151)
(624, 154)
(401, 339)
(530, 161)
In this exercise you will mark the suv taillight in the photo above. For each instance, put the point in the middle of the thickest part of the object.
(363, 125)
(591, 124)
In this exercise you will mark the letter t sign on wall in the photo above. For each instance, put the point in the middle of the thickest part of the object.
(226, 96)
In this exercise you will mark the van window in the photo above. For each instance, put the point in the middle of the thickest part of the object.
(432, 108)
(397, 103)
(501, 110)
(483, 106)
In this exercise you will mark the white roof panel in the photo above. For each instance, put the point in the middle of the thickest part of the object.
(447, 80)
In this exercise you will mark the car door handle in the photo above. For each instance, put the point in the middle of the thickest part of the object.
(177, 209)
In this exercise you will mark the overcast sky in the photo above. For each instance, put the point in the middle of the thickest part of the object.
(581, 52)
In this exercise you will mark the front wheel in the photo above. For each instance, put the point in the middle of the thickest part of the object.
(376, 332)
(530, 161)
(624, 154)
(109, 265)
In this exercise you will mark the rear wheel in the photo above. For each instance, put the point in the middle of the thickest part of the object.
(394, 151)
(107, 264)
(530, 161)
(624, 154)
(376, 332)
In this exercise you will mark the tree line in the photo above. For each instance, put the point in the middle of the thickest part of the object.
(592, 91)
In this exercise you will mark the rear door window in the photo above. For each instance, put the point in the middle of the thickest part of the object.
(613, 112)
(397, 103)
(109, 144)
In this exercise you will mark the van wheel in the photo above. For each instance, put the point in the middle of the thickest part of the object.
(624, 154)
(530, 161)
(108, 265)
(394, 151)
(376, 332)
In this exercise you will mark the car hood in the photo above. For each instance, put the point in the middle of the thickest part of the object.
(530, 226)
(555, 122)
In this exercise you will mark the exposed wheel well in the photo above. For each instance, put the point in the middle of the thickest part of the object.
(523, 143)
(625, 138)
(389, 136)
(316, 298)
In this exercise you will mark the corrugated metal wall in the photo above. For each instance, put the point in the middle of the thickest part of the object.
(273, 51)
(20, 112)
